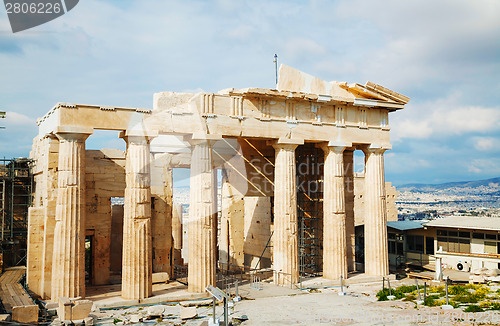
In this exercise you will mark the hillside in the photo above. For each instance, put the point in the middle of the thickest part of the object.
(493, 183)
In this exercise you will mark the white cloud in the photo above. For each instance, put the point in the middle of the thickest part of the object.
(413, 129)
(466, 119)
(298, 47)
(18, 119)
(427, 40)
(489, 165)
(487, 144)
(444, 116)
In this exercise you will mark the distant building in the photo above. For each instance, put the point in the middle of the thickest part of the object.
(463, 242)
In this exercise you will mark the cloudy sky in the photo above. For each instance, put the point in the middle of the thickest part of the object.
(445, 55)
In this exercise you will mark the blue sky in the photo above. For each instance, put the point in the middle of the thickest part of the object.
(445, 55)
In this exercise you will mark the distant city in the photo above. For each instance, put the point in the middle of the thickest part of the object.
(420, 201)
(476, 198)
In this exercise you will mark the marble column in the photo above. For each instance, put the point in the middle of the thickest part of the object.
(285, 237)
(376, 251)
(334, 216)
(202, 219)
(137, 239)
(68, 261)
(177, 234)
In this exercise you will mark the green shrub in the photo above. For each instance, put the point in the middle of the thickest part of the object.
(466, 298)
(430, 301)
(481, 292)
(458, 289)
(437, 289)
(409, 297)
(407, 288)
(494, 306)
(473, 308)
(382, 294)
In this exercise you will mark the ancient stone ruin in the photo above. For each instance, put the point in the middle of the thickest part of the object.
(289, 196)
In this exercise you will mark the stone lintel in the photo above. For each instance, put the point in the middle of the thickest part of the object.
(335, 143)
(149, 135)
(199, 138)
(204, 136)
(286, 141)
(379, 146)
(73, 130)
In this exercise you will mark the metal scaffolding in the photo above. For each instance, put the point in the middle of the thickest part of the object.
(309, 161)
(16, 185)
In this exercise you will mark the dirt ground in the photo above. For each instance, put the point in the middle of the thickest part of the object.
(318, 303)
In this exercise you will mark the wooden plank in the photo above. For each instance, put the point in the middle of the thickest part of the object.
(6, 277)
(13, 294)
(7, 299)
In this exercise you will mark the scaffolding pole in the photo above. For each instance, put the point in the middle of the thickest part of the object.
(309, 160)
(16, 186)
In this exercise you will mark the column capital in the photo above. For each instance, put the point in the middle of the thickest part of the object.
(335, 146)
(202, 138)
(287, 141)
(290, 147)
(375, 148)
(137, 136)
(73, 133)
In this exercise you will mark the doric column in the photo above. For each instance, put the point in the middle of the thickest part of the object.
(376, 254)
(201, 229)
(334, 217)
(285, 237)
(137, 241)
(68, 262)
(177, 234)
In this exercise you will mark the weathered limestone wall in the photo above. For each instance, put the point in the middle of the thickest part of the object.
(161, 213)
(45, 152)
(105, 178)
(35, 247)
(232, 237)
(177, 234)
(257, 230)
(392, 196)
(359, 199)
